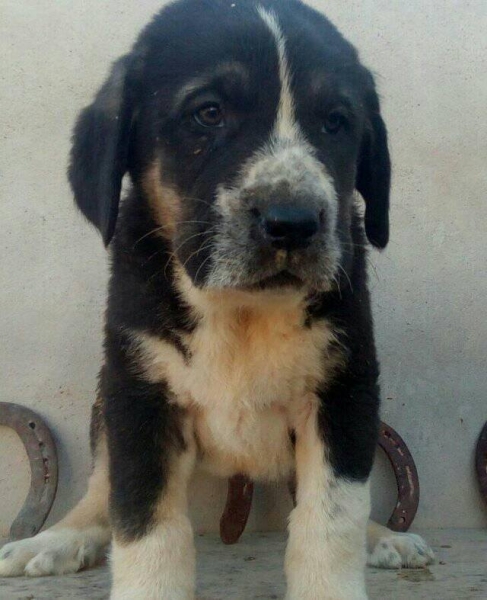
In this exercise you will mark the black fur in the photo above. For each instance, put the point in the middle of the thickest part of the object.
(144, 435)
(349, 415)
(374, 179)
(136, 118)
(99, 158)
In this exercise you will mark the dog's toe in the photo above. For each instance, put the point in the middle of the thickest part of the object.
(398, 550)
(50, 553)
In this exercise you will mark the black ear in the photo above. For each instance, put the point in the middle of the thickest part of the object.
(99, 154)
(374, 178)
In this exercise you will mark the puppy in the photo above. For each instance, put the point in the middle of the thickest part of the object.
(238, 328)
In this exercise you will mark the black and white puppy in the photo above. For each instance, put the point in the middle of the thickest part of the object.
(238, 329)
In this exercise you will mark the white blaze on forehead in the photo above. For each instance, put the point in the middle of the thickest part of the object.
(286, 127)
(286, 161)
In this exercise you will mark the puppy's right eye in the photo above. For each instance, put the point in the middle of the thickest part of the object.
(210, 116)
(334, 122)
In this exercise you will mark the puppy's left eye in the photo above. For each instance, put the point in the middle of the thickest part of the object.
(334, 122)
(211, 115)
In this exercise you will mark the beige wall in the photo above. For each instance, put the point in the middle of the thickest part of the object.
(429, 286)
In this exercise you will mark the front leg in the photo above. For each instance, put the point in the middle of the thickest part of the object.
(326, 554)
(152, 455)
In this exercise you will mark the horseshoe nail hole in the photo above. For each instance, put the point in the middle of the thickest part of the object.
(32, 425)
(41, 444)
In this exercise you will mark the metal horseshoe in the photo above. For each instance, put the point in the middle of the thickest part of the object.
(406, 475)
(41, 450)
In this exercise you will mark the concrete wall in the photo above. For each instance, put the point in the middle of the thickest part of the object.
(429, 286)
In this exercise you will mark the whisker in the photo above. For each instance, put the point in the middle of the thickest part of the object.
(198, 200)
(161, 228)
(191, 237)
(354, 245)
(346, 275)
(197, 222)
(201, 249)
(173, 254)
(171, 257)
(337, 281)
(369, 262)
(152, 255)
(201, 266)
(146, 235)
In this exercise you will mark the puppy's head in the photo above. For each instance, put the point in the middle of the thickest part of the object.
(246, 126)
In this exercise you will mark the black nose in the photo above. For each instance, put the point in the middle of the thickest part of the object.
(289, 227)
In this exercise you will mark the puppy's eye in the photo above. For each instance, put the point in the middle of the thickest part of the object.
(334, 122)
(211, 115)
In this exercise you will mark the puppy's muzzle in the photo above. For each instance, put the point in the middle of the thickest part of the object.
(286, 227)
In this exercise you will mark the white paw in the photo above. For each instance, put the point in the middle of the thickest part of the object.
(53, 552)
(397, 550)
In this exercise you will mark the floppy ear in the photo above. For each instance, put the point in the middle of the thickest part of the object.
(99, 154)
(374, 179)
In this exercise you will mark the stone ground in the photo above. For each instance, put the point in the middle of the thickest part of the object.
(252, 570)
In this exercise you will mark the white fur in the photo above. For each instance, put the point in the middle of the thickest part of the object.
(160, 566)
(54, 552)
(391, 550)
(326, 553)
(286, 126)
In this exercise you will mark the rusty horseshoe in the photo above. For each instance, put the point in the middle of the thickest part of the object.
(41, 450)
